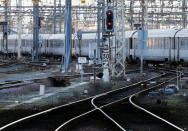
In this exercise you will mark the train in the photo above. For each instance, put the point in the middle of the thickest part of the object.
(49, 44)
(163, 45)
(167, 45)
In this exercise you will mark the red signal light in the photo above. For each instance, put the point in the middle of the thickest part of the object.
(109, 13)
(109, 23)
(109, 20)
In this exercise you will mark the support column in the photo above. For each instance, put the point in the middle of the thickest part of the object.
(184, 17)
(6, 26)
(19, 28)
(35, 30)
(119, 39)
(54, 16)
(144, 15)
(68, 35)
(60, 19)
(98, 29)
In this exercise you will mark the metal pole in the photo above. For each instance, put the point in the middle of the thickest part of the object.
(80, 47)
(98, 27)
(180, 80)
(60, 20)
(19, 28)
(177, 79)
(36, 29)
(68, 33)
(125, 46)
(54, 16)
(6, 26)
(183, 14)
(94, 65)
(82, 72)
(143, 24)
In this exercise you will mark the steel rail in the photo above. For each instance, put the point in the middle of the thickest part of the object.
(100, 108)
(106, 115)
(130, 100)
(58, 107)
(77, 117)
(148, 112)
(43, 112)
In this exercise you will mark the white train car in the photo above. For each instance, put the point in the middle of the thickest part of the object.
(162, 45)
(170, 45)
(49, 44)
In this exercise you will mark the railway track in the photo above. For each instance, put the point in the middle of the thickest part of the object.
(87, 108)
(16, 84)
(13, 84)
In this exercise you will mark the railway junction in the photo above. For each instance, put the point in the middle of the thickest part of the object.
(93, 65)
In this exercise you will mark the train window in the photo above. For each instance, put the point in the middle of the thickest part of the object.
(166, 43)
(154, 43)
(149, 43)
(51, 43)
(164, 40)
(159, 44)
(184, 44)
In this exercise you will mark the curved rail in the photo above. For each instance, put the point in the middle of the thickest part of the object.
(96, 108)
(77, 117)
(43, 112)
(150, 113)
(107, 116)
(111, 119)
(90, 98)
(100, 108)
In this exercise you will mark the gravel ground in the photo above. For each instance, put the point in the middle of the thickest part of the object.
(172, 107)
(62, 97)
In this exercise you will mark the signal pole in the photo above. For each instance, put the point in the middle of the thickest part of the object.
(144, 35)
(19, 28)
(142, 43)
(35, 56)
(68, 35)
(60, 20)
(6, 26)
(109, 29)
(54, 17)
(99, 28)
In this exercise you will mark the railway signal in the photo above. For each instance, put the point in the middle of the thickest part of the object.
(109, 20)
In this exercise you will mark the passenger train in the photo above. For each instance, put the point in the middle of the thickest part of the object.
(49, 44)
(169, 45)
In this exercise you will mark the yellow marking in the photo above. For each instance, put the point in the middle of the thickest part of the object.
(35, 2)
(5, 2)
(83, 1)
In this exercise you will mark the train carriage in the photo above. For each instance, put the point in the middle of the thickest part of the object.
(162, 45)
